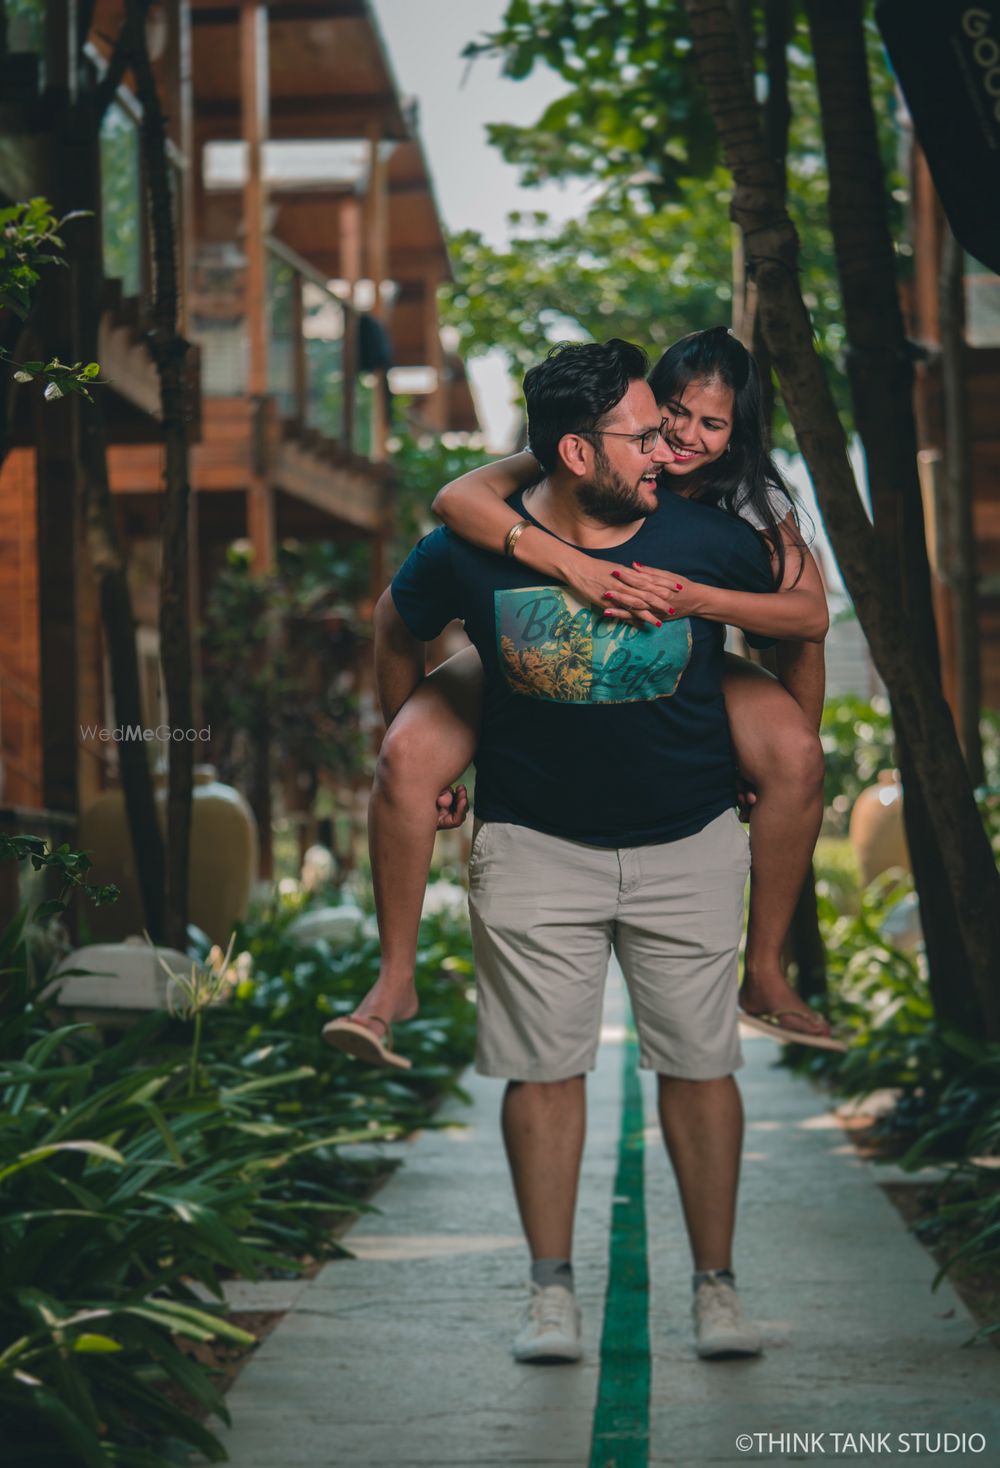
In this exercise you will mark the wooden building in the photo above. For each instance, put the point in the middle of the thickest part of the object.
(311, 251)
(980, 394)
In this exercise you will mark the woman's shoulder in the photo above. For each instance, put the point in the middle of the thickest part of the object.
(779, 503)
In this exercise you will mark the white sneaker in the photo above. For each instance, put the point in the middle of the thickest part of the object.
(720, 1327)
(551, 1329)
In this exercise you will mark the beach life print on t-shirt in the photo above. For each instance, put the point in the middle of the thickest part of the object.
(554, 648)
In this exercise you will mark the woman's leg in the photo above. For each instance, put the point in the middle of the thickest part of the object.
(779, 752)
(430, 742)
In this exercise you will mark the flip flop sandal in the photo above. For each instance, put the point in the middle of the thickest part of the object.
(355, 1038)
(769, 1023)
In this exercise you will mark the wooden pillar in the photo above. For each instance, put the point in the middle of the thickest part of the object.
(300, 365)
(56, 437)
(179, 65)
(927, 254)
(351, 221)
(437, 405)
(376, 243)
(253, 119)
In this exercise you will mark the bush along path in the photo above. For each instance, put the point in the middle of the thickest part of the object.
(942, 1088)
(137, 1176)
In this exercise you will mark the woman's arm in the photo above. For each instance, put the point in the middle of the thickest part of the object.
(474, 507)
(797, 612)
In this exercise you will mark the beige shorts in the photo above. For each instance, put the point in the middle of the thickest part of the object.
(546, 914)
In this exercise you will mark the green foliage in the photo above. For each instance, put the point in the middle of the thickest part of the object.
(646, 277)
(946, 1085)
(29, 240)
(652, 258)
(280, 653)
(126, 1197)
(70, 867)
(423, 465)
(634, 112)
(858, 741)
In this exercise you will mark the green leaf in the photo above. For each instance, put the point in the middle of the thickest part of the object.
(90, 1344)
(41, 1154)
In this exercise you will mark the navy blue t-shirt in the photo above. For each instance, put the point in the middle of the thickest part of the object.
(594, 730)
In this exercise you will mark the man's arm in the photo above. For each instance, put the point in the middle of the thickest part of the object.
(400, 658)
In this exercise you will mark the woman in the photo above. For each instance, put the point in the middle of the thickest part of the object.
(708, 390)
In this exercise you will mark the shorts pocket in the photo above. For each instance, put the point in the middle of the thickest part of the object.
(480, 838)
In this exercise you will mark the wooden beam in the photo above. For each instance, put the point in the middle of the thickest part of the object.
(207, 12)
(437, 405)
(376, 248)
(253, 117)
(343, 116)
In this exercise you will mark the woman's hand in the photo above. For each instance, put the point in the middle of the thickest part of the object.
(660, 593)
(452, 807)
(598, 583)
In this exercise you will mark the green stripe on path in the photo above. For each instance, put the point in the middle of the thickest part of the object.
(621, 1416)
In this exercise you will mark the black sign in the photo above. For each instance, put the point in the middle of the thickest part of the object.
(946, 55)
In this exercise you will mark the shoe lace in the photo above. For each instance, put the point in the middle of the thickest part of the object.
(720, 1304)
(552, 1307)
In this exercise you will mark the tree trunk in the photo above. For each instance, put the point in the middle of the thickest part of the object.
(960, 568)
(772, 252)
(100, 528)
(880, 370)
(169, 351)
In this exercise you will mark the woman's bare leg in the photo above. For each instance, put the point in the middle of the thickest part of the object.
(429, 744)
(779, 752)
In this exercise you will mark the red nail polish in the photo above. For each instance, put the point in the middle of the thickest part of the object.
(636, 565)
(678, 587)
(659, 624)
(606, 614)
(617, 575)
(608, 595)
(670, 611)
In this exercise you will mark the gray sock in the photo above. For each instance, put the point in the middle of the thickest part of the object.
(545, 1272)
(701, 1275)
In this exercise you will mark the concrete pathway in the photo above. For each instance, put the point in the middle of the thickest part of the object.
(401, 1356)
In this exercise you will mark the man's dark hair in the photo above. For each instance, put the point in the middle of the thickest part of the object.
(574, 389)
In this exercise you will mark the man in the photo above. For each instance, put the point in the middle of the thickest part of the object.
(605, 795)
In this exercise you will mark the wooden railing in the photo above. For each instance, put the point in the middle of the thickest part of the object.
(312, 342)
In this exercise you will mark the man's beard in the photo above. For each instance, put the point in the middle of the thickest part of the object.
(608, 497)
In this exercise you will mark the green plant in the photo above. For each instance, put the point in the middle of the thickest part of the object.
(136, 1176)
(30, 239)
(858, 741)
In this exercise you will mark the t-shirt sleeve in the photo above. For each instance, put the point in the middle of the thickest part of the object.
(749, 569)
(424, 589)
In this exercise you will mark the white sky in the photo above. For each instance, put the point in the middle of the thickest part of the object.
(475, 188)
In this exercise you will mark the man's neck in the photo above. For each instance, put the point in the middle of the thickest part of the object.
(554, 504)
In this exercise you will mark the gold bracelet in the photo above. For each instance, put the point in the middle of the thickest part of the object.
(513, 536)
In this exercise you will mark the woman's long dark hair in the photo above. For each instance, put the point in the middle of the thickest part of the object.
(746, 474)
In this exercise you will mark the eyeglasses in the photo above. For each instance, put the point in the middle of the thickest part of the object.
(646, 441)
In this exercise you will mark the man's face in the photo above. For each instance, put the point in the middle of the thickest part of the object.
(621, 485)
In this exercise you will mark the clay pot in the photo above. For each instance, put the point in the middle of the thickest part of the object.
(223, 858)
(876, 829)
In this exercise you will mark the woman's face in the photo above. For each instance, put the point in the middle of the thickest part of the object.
(698, 427)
